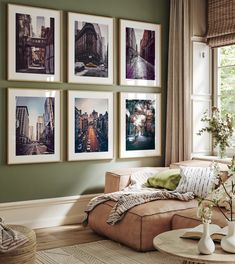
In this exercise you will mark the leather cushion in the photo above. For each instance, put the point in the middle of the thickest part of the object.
(189, 219)
(140, 224)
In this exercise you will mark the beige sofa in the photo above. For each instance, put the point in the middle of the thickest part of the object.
(143, 222)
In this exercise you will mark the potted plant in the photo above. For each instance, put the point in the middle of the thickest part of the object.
(221, 129)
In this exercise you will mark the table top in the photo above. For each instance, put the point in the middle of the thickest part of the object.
(186, 249)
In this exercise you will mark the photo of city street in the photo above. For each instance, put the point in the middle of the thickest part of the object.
(34, 125)
(91, 49)
(140, 124)
(91, 125)
(34, 44)
(140, 54)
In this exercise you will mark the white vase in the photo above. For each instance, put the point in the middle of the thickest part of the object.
(206, 245)
(228, 242)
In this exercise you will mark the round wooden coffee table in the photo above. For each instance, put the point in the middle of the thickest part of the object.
(186, 249)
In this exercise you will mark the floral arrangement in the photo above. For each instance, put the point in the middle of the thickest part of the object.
(205, 206)
(220, 128)
(222, 197)
(205, 211)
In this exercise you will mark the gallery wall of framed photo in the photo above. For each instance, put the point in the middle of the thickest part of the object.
(33, 115)
(82, 92)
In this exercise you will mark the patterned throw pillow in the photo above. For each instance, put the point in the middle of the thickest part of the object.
(198, 180)
(141, 176)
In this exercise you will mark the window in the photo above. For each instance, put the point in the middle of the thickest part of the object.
(225, 81)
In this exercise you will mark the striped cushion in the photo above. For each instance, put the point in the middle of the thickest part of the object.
(198, 180)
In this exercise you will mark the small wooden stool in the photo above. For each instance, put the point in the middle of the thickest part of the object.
(24, 254)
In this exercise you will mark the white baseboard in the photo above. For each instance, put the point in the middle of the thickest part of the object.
(46, 212)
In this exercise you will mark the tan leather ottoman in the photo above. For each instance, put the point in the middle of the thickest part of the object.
(188, 219)
(140, 224)
(143, 222)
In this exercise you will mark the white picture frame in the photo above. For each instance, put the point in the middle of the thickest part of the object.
(34, 124)
(140, 53)
(90, 125)
(140, 125)
(90, 59)
(34, 44)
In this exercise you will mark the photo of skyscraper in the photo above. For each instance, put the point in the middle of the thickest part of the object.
(35, 124)
(91, 49)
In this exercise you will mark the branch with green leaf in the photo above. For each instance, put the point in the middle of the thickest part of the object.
(222, 197)
(221, 128)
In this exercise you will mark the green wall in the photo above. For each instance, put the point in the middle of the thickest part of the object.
(36, 181)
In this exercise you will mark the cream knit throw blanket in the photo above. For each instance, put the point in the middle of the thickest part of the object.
(9, 238)
(135, 194)
(126, 200)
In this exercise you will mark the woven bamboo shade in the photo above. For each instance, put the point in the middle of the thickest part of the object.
(221, 23)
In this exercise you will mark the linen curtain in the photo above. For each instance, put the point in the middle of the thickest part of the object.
(178, 127)
(221, 23)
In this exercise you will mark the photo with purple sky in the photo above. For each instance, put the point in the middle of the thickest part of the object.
(139, 35)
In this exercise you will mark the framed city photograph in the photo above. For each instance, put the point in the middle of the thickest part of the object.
(90, 49)
(140, 125)
(140, 53)
(90, 125)
(33, 126)
(34, 47)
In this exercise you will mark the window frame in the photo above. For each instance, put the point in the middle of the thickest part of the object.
(230, 151)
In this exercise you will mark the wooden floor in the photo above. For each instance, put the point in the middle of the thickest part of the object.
(61, 236)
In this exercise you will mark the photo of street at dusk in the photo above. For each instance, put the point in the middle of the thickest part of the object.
(91, 125)
(140, 54)
(140, 124)
(34, 44)
(34, 125)
(91, 49)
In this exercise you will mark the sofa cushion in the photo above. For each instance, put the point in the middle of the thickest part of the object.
(198, 163)
(198, 180)
(140, 224)
(119, 179)
(168, 179)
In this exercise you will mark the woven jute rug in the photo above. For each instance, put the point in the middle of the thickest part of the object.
(101, 252)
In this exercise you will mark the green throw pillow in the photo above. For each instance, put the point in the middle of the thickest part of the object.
(167, 179)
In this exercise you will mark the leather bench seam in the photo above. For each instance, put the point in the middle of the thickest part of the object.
(105, 203)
